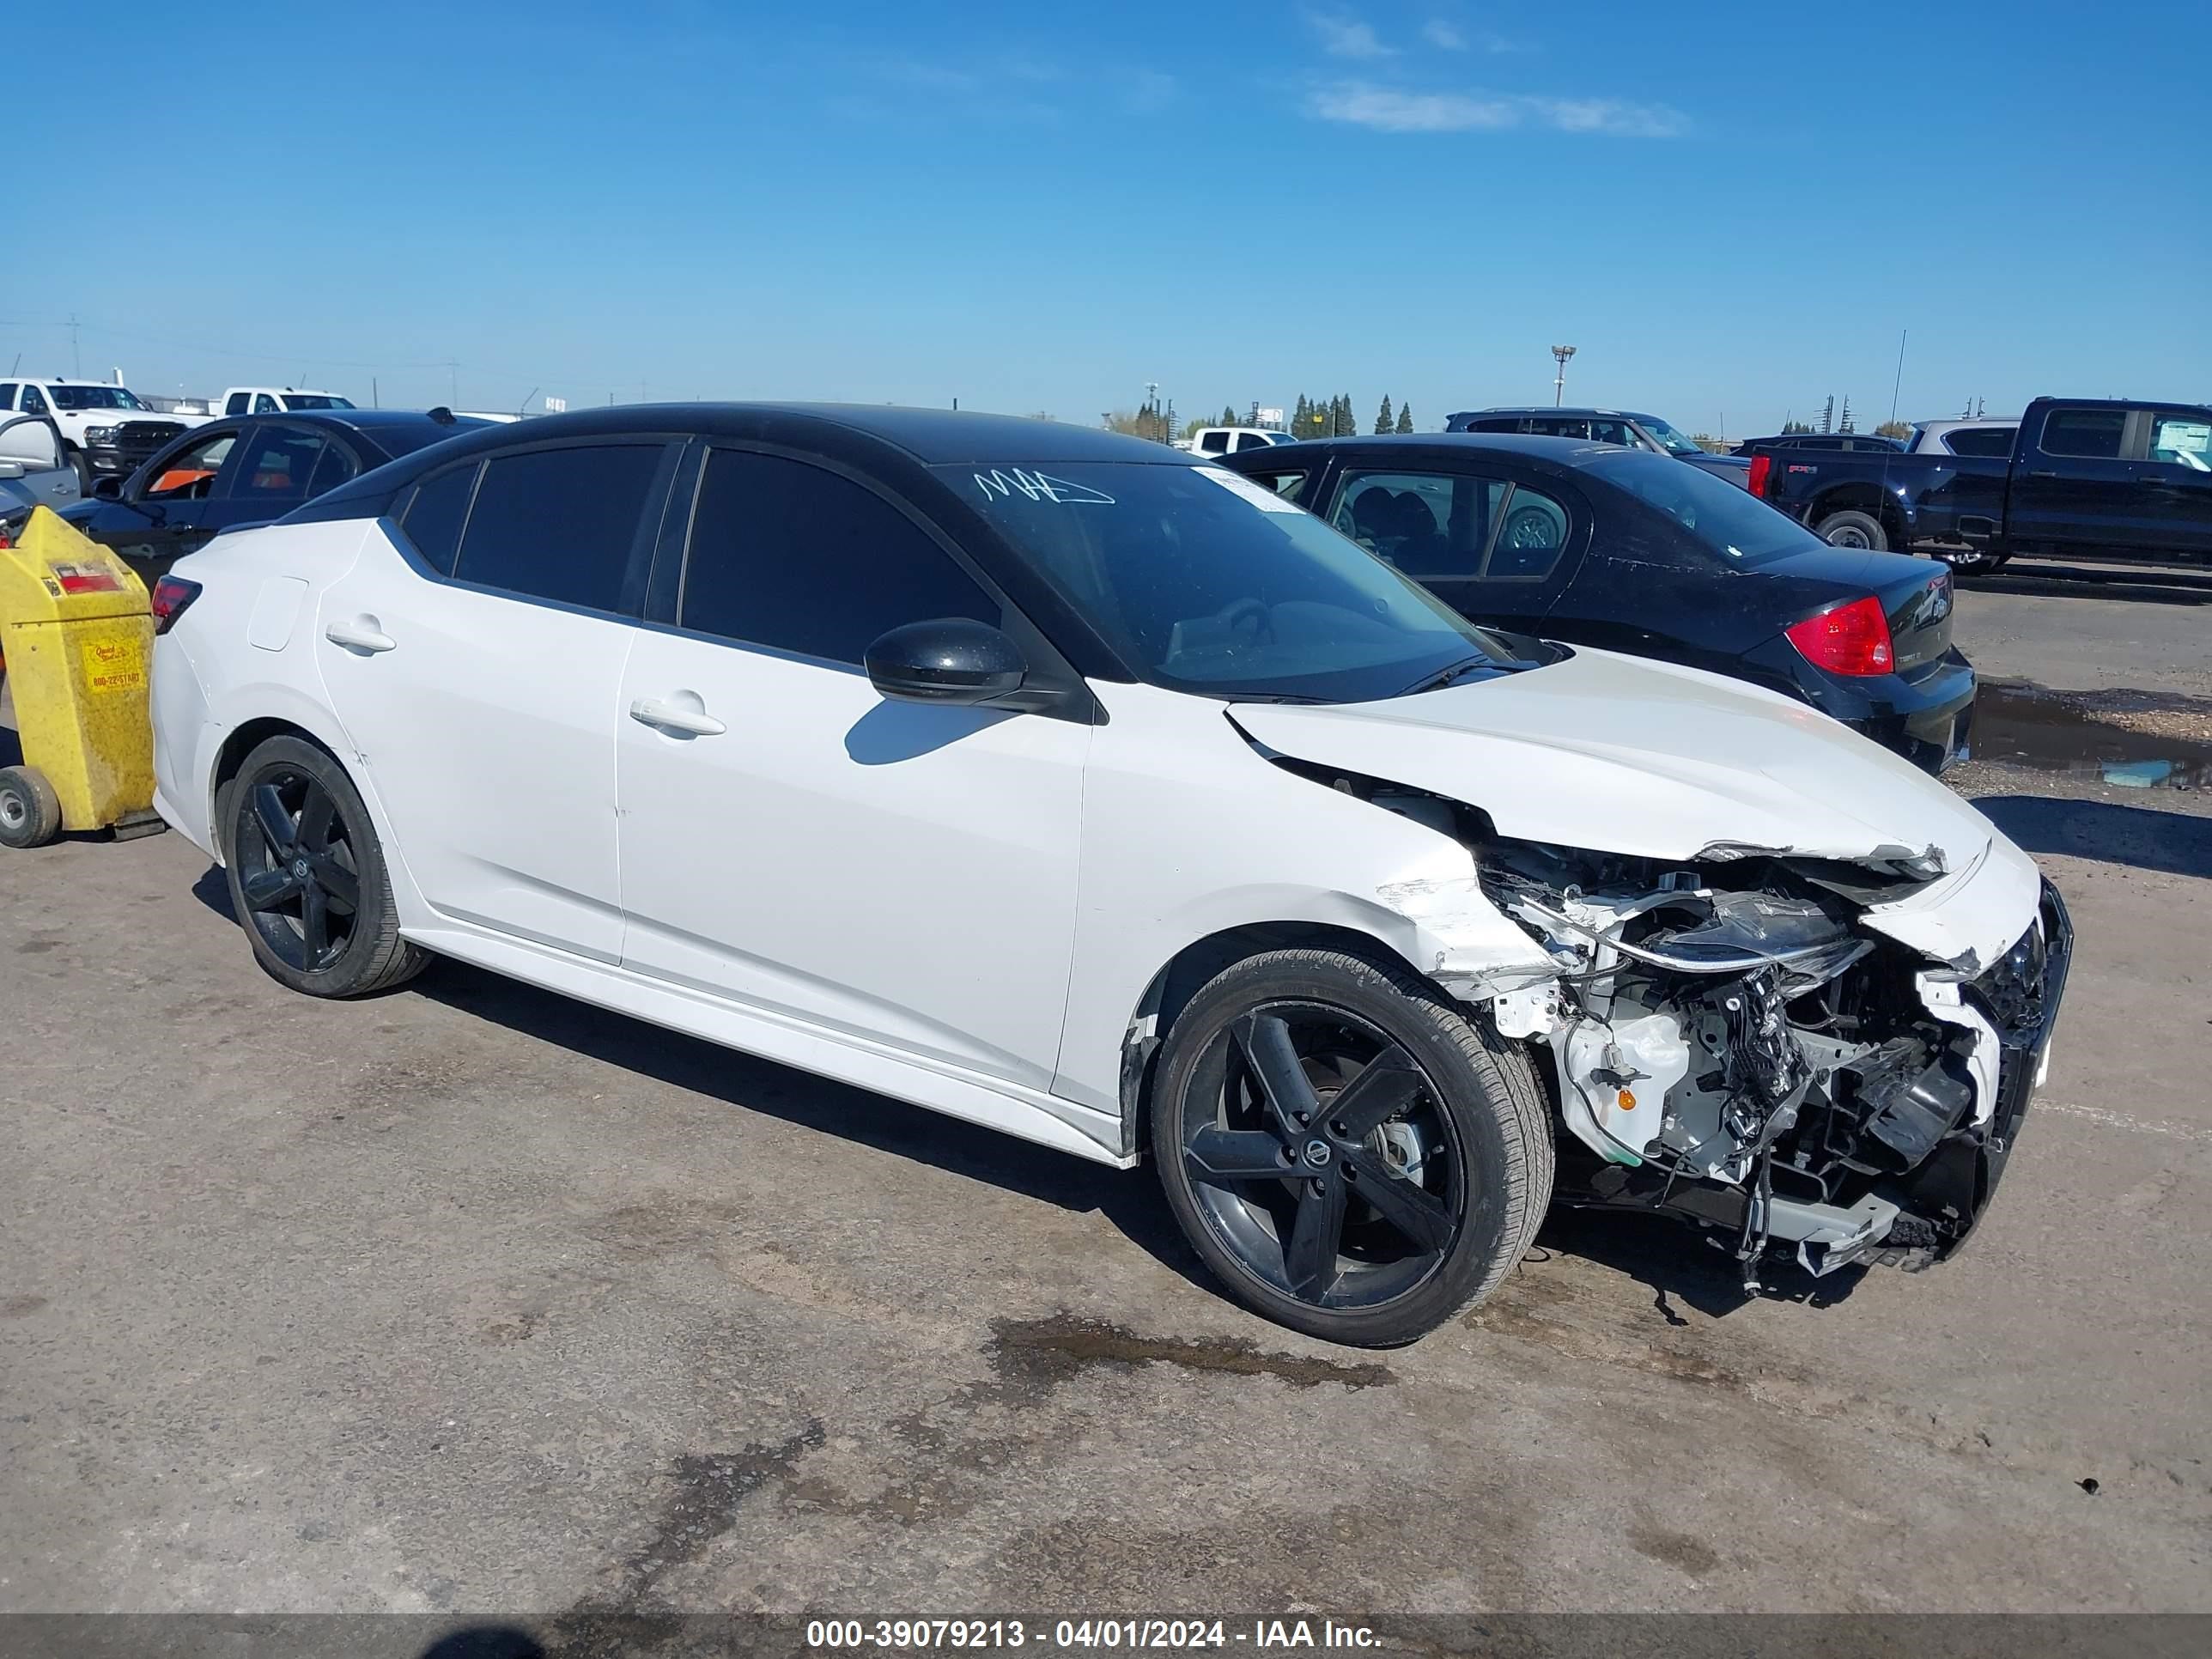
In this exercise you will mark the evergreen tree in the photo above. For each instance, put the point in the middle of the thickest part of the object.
(1405, 417)
(1347, 424)
(1301, 418)
(1228, 415)
(1384, 421)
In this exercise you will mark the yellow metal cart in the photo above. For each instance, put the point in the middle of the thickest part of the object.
(76, 635)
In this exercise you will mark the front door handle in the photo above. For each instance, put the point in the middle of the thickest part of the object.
(674, 717)
(359, 636)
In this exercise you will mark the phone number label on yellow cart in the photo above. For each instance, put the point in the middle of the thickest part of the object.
(113, 665)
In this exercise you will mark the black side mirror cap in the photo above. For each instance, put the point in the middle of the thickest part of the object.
(107, 488)
(946, 659)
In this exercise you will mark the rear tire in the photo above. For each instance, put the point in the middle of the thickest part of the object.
(30, 812)
(306, 875)
(1853, 529)
(1375, 1226)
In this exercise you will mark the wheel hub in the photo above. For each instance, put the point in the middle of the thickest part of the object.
(1317, 1153)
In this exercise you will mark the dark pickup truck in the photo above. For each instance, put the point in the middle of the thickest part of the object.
(2086, 479)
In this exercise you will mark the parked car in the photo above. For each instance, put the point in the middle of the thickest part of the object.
(1848, 442)
(1210, 442)
(1604, 546)
(34, 471)
(2085, 478)
(106, 430)
(1042, 777)
(1604, 426)
(278, 400)
(236, 471)
(1963, 437)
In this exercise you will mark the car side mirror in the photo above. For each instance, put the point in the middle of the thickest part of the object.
(11, 469)
(107, 488)
(947, 659)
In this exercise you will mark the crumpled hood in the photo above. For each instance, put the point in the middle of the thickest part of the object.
(1622, 755)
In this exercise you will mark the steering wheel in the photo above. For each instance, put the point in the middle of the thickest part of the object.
(1238, 611)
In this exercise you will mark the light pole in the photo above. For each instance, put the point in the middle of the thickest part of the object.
(1560, 381)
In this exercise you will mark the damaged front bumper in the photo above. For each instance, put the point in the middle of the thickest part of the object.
(1747, 1045)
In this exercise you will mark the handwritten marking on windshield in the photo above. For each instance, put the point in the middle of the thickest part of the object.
(999, 483)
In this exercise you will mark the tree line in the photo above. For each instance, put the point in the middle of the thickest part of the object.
(1312, 417)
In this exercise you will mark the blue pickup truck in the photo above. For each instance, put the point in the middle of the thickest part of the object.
(2086, 479)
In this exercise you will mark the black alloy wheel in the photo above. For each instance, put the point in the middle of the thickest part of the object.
(1328, 1166)
(307, 877)
(1351, 1154)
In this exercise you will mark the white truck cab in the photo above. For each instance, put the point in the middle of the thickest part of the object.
(105, 429)
(277, 400)
(1228, 440)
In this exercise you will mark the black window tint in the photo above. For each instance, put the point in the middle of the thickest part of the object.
(560, 523)
(1613, 432)
(800, 559)
(1213, 443)
(235, 404)
(1498, 423)
(434, 519)
(1989, 440)
(335, 467)
(278, 464)
(2092, 433)
(7, 396)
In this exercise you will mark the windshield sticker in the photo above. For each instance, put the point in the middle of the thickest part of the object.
(1000, 482)
(1237, 485)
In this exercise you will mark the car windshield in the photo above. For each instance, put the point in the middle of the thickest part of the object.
(1205, 581)
(315, 400)
(1727, 519)
(92, 396)
(1666, 438)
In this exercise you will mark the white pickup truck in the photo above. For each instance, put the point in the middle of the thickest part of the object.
(106, 430)
(1228, 440)
(277, 399)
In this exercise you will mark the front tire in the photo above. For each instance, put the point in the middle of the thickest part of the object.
(1853, 529)
(83, 463)
(308, 877)
(1351, 1154)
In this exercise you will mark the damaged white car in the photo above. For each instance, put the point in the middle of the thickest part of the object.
(1057, 782)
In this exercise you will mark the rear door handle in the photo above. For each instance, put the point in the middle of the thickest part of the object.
(674, 717)
(2042, 474)
(359, 636)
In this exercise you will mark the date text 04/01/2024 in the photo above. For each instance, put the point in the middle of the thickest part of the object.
(1259, 1635)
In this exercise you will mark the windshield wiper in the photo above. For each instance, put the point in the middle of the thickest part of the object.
(1437, 681)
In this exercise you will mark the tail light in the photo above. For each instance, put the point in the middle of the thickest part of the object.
(1852, 639)
(172, 595)
(1762, 469)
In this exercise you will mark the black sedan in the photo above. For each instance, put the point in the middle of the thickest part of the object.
(1632, 551)
(244, 470)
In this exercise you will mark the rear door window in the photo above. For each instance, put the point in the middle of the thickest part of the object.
(235, 404)
(279, 461)
(1213, 443)
(1289, 483)
(7, 395)
(1433, 526)
(798, 558)
(566, 524)
(2089, 433)
(1990, 441)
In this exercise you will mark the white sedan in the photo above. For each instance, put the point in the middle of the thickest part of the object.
(1067, 785)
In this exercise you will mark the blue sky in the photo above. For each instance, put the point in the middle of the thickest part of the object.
(1730, 211)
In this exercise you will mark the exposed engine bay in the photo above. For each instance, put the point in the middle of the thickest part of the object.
(1733, 1045)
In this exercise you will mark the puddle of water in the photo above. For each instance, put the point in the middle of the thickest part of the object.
(2018, 725)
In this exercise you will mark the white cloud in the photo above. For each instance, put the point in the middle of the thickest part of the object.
(1438, 32)
(1392, 109)
(1343, 35)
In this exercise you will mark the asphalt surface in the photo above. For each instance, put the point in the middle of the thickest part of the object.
(471, 1299)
